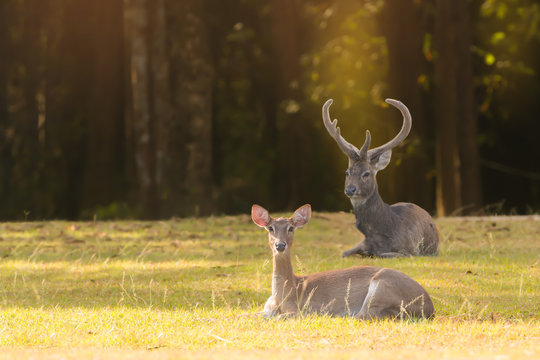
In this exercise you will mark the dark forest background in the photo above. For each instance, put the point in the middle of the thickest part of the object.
(160, 108)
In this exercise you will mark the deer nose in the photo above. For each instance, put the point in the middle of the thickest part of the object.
(280, 246)
(350, 190)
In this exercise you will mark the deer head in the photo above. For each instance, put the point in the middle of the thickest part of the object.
(280, 230)
(360, 181)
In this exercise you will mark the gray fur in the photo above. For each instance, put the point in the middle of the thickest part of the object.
(402, 229)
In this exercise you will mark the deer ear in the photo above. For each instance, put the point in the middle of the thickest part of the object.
(260, 215)
(301, 216)
(381, 161)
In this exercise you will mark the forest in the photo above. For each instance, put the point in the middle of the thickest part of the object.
(153, 109)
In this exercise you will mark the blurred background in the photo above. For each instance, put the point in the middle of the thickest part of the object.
(160, 108)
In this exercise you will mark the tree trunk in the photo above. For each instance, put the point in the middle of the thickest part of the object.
(293, 156)
(5, 141)
(160, 100)
(190, 129)
(139, 123)
(4, 28)
(467, 114)
(448, 35)
(448, 185)
(171, 105)
(104, 146)
(27, 126)
(406, 63)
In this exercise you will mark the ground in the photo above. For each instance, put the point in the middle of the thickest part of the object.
(191, 288)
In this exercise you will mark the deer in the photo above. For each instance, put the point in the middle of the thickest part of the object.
(363, 292)
(401, 229)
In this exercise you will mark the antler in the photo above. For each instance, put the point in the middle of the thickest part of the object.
(350, 150)
(405, 129)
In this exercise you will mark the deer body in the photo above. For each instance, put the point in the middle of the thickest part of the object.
(402, 229)
(366, 292)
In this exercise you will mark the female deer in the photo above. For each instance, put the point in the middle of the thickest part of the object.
(366, 292)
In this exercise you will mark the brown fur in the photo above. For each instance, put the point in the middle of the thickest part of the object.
(366, 292)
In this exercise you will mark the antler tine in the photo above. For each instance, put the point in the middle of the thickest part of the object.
(350, 150)
(364, 149)
(403, 133)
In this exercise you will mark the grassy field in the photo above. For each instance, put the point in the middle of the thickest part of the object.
(192, 287)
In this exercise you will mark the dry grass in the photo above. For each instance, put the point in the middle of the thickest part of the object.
(188, 288)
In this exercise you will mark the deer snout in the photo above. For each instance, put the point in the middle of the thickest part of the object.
(350, 190)
(280, 246)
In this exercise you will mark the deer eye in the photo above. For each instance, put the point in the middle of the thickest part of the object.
(366, 174)
(271, 228)
(290, 229)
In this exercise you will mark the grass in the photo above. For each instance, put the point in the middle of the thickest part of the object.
(190, 288)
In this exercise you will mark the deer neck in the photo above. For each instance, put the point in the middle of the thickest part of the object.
(283, 279)
(371, 214)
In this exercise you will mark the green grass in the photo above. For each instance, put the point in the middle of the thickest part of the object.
(150, 289)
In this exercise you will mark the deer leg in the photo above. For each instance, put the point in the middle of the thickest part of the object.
(378, 314)
(376, 304)
(360, 249)
(271, 308)
(287, 315)
(392, 255)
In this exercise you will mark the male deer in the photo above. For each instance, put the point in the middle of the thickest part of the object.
(402, 229)
(365, 292)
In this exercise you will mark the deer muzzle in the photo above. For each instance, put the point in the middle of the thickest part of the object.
(280, 246)
(350, 190)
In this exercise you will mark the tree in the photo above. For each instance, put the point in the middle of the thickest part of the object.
(403, 25)
(456, 154)
(182, 108)
(5, 158)
(160, 100)
(3, 64)
(467, 113)
(189, 148)
(294, 152)
(103, 169)
(139, 120)
(170, 106)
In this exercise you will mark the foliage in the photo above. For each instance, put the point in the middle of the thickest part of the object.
(349, 61)
(503, 38)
